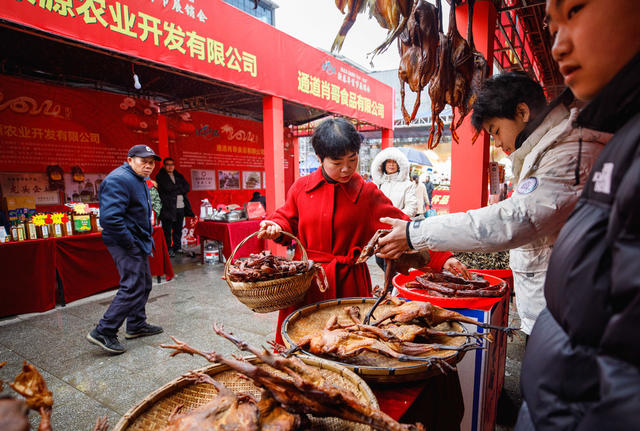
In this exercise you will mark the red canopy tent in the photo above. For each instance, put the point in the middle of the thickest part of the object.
(214, 58)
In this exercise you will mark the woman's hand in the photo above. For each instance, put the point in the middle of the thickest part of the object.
(455, 267)
(269, 230)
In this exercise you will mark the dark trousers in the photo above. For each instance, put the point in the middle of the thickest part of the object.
(173, 230)
(131, 298)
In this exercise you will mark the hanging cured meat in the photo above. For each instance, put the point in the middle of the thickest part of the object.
(353, 7)
(479, 75)
(390, 14)
(462, 61)
(418, 46)
(440, 83)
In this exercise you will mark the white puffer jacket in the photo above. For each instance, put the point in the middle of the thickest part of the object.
(397, 187)
(529, 221)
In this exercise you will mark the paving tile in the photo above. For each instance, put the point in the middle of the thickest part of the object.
(36, 344)
(80, 416)
(61, 322)
(112, 385)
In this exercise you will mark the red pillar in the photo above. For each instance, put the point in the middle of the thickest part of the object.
(272, 123)
(296, 158)
(273, 129)
(163, 136)
(469, 163)
(387, 138)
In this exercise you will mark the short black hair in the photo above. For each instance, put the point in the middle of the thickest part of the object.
(167, 159)
(501, 94)
(414, 177)
(335, 138)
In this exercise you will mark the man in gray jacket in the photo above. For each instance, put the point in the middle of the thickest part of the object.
(550, 160)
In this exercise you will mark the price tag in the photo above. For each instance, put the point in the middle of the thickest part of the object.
(494, 178)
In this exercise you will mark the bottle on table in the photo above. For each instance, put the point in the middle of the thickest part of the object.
(32, 232)
(21, 229)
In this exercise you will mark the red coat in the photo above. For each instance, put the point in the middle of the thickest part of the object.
(333, 222)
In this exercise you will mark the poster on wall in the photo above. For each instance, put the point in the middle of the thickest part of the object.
(251, 180)
(34, 184)
(229, 180)
(82, 191)
(203, 179)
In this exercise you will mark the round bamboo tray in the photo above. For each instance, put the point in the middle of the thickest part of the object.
(372, 367)
(151, 414)
(271, 295)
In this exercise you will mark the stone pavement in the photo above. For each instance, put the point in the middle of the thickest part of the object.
(88, 383)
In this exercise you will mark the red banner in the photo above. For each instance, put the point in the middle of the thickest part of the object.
(440, 201)
(216, 40)
(223, 158)
(43, 125)
(40, 125)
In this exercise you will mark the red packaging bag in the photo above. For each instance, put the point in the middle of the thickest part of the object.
(255, 211)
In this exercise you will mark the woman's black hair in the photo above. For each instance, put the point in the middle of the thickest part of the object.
(335, 138)
(501, 94)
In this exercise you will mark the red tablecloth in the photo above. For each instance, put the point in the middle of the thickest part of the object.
(231, 234)
(436, 402)
(86, 267)
(28, 270)
(28, 277)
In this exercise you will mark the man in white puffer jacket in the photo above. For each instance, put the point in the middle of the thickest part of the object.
(550, 167)
(390, 172)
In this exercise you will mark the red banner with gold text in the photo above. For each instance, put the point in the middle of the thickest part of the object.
(215, 40)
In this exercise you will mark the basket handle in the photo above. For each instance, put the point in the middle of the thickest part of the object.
(292, 236)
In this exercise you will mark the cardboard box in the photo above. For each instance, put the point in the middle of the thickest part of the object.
(17, 206)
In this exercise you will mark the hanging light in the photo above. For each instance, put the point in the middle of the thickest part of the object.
(136, 80)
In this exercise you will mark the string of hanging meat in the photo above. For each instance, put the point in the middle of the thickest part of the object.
(451, 68)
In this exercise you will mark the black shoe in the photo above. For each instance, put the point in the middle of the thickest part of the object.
(172, 253)
(144, 331)
(109, 344)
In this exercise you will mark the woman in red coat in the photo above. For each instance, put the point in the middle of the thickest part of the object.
(334, 213)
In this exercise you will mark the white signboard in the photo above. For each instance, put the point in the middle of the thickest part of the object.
(33, 184)
(202, 179)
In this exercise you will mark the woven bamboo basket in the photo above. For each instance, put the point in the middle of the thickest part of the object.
(271, 295)
(151, 414)
(372, 367)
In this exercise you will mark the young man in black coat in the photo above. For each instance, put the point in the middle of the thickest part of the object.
(125, 217)
(581, 369)
(173, 189)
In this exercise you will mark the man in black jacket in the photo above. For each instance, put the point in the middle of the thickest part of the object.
(125, 217)
(429, 186)
(173, 189)
(581, 369)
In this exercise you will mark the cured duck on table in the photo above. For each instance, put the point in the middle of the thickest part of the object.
(296, 387)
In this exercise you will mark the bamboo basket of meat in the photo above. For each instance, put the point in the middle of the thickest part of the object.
(265, 282)
(404, 341)
(265, 391)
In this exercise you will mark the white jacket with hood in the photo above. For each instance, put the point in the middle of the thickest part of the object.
(397, 187)
(528, 222)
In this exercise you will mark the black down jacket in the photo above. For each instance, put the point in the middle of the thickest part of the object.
(581, 369)
(169, 194)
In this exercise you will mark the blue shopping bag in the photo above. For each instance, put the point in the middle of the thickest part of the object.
(430, 213)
